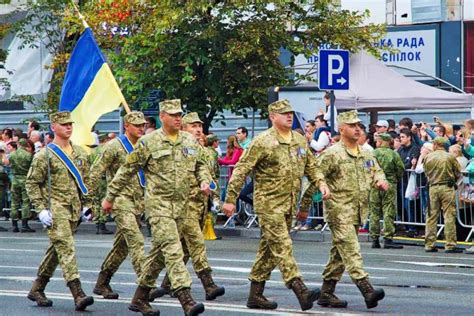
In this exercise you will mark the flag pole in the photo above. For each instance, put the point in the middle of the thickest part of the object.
(84, 23)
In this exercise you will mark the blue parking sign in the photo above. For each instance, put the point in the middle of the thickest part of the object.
(333, 71)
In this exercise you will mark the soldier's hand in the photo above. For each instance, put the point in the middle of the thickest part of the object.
(302, 215)
(382, 185)
(205, 188)
(325, 192)
(86, 214)
(228, 209)
(107, 206)
(46, 218)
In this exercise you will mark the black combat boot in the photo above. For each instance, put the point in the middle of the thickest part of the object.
(25, 228)
(190, 307)
(211, 289)
(164, 289)
(37, 292)
(80, 299)
(328, 298)
(140, 303)
(370, 295)
(102, 286)
(376, 243)
(15, 226)
(305, 297)
(389, 244)
(104, 230)
(257, 299)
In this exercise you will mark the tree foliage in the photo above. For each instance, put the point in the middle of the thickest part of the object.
(215, 55)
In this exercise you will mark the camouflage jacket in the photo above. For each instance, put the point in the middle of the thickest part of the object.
(111, 157)
(279, 166)
(441, 167)
(66, 197)
(169, 170)
(391, 163)
(20, 162)
(350, 179)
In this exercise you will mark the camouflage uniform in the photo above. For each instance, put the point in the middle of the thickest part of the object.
(169, 169)
(66, 201)
(101, 183)
(20, 161)
(350, 178)
(384, 202)
(128, 206)
(442, 170)
(279, 166)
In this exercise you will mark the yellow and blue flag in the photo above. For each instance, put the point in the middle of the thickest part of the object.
(89, 89)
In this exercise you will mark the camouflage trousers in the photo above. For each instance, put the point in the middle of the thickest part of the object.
(166, 252)
(383, 203)
(192, 238)
(275, 249)
(442, 199)
(20, 200)
(344, 253)
(128, 239)
(61, 250)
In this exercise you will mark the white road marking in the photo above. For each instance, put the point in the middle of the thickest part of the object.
(173, 303)
(436, 264)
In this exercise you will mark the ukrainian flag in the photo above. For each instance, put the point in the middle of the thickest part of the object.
(89, 89)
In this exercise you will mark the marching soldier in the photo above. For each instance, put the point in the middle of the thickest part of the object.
(192, 236)
(279, 158)
(56, 186)
(442, 170)
(350, 173)
(128, 205)
(169, 158)
(20, 162)
(384, 202)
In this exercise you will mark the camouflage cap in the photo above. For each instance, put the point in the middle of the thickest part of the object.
(192, 117)
(440, 141)
(135, 118)
(386, 137)
(171, 106)
(349, 117)
(23, 142)
(63, 117)
(280, 106)
(212, 138)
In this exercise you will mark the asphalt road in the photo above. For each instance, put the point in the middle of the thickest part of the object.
(414, 282)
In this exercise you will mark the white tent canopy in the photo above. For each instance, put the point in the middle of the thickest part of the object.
(374, 86)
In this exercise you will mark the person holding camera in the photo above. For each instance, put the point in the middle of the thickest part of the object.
(442, 170)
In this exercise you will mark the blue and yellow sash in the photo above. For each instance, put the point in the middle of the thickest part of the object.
(70, 166)
(129, 149)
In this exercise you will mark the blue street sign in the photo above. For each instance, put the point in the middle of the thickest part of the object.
(333, 69)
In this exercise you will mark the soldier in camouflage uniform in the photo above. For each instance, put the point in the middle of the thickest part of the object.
(60, 199)
(100, 218)
(350, 173)
(128, 205)
(170, 159)
(20, 161)
(279, 158)
(192, 238)
(442, 170)
(384, 202)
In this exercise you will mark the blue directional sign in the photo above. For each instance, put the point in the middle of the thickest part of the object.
(333, 69)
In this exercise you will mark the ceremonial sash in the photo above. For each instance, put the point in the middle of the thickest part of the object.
(129, 149)
(58, 152)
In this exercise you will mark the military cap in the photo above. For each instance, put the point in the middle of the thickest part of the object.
(171, 106)
(386, 137)
(135, 118)
(440, 141)
(349, 117)
(191, 117)
(23, 142)
(212, 138)
(280, 106)
(63, 117)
